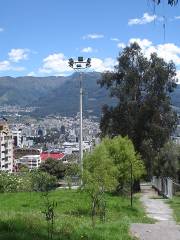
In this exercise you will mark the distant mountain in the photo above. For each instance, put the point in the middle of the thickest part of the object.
(25, 90)
(65, 99)
(60, 94)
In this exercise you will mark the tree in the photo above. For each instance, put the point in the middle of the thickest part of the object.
(99, 175)
(169, 158)
(53, 167)
(72, 174)
(42, 181)
(170, 2)
(23, 168)
(143, 111)
(122, 151)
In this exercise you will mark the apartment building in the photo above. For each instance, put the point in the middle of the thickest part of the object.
(31, 161)
(6, 147)
(17, 136)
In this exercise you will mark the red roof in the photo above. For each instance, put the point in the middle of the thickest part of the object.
(45, 155)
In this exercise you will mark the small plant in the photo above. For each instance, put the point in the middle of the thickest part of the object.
(102, 210)
(68, 182)
(49, 213)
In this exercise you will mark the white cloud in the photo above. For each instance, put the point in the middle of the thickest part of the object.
(143, 43)
(146, 18)
(167, 51)
(93, 36)
(55, 64)
(87, 50)
(1, 29)
(6, 66)
(121, 45)
(18, 54)
(101, 65)
(31, 74)
(177, 17)
(115, 39)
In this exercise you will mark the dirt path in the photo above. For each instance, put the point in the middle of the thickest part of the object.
(165, 228)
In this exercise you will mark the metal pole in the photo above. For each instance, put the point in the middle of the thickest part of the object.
(80, 134)
(79, 65)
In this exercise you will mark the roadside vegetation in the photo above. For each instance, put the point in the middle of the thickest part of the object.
(175, 205)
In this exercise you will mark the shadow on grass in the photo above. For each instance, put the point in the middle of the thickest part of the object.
(25, 205)
(19, 229)
(16, 229)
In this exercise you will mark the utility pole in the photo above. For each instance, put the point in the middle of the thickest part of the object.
(81, 125)
(78, 66)
(131, 185)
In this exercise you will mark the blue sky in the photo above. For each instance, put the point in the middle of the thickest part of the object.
(38, 36)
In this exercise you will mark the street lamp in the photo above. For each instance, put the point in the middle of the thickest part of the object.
(79, 65)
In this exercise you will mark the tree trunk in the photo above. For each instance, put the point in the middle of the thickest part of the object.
(136, 186)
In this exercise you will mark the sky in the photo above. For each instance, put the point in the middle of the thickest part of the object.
(37, 37)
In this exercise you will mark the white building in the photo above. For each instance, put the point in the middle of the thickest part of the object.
(73, 147)
(6, 147)
(17, 136)
(27, 143)
(31, 161)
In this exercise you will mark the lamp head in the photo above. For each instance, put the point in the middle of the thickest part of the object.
(71, 62)
(78, 65)
(80, 59)
(88, 62)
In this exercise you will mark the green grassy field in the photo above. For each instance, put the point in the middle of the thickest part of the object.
(21, 217)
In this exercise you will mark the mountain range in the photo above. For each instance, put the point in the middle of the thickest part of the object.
(60, 94)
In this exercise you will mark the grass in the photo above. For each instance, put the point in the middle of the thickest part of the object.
(21, 217)
(175, 204)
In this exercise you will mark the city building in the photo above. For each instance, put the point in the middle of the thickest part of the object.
(54, 155)
(6, 147)
(31, 161)
(17, 137)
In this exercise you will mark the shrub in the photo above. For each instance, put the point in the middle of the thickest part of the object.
(42, 181)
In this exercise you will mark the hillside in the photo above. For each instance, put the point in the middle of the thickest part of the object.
(24, 90)
(60, 94)
(65, 99)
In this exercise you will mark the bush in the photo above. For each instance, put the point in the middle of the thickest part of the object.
(42, 181)
(14, 183)
(53, 167)
(26, 182)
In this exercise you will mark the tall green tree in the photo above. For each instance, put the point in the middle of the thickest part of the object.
(143, 112)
